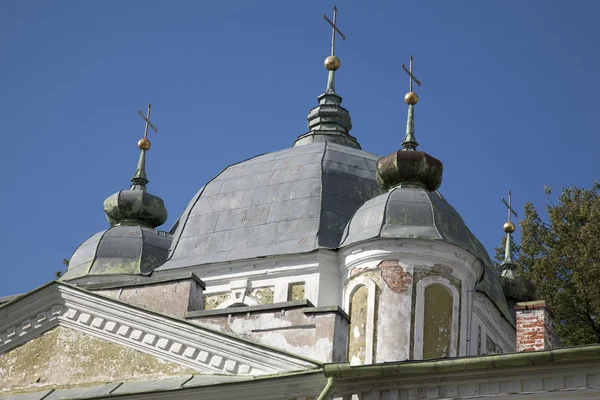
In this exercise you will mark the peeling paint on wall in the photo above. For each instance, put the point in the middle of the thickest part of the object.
(492, 347)
(62, 356)
(358, 326)
(263, 295)
(212, 301)
(296, 291)
(171, 298)
(396, 277)
(437, 321)
(321, 336)
(442, 269)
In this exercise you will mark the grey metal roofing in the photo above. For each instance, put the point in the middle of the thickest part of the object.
(120, 250)
(129, 387)
(7, 299)
(291, 201)
(420, 214)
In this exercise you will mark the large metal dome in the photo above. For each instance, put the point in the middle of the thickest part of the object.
(290, 201)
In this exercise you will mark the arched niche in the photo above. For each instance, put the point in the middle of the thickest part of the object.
(360, 303)
(436, 319)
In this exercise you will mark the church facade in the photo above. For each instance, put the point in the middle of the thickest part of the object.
(315, 272)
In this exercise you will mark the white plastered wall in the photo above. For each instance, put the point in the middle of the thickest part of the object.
(487, 317)
(318, 271)
(393, 313)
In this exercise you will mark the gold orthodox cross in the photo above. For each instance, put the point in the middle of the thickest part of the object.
(148, 123)
(509, 206)
(334, 29)
(410, 74)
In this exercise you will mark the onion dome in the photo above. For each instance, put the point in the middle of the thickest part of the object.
(136, 206)
(131, 245)
(409, 167)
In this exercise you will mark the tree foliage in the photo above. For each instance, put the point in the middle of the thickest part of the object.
(562, 258)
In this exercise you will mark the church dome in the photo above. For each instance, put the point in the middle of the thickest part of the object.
(416, 213)
(119, 250)
(291, 201)
(131, 246)
(412, 213)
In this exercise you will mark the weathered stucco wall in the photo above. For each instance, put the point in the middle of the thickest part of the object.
(491, 333)
(321, 336)
(399, 272)
(380, 306)
(394, 313)
(63, 357)
(357, 341)
(170, 298)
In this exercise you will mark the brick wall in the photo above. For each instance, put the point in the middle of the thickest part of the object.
(534, 326)
(395, 276)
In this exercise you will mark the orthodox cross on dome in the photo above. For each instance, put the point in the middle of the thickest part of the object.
(332, 63)
(144, 144)
(410, 143)
(410, 74)
(509, 228)
(509, 206)
(334, 29)
(139, 179)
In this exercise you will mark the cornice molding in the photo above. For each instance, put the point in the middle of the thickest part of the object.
(169, 339)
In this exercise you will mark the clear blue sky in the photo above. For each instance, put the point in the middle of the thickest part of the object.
(509, 101)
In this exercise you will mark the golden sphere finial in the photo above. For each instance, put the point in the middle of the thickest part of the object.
(411, 98)
(332, 63)
(144, 144)
(509, 227)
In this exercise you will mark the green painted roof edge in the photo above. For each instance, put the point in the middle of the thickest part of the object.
(462, 364)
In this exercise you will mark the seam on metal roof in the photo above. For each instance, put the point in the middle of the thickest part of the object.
(95, 253)
(433, 217)
(176, 240)
(317, 238)
(385, 207)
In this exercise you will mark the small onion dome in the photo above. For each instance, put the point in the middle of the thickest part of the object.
(516, 288)
(410, 167)
(135, 207)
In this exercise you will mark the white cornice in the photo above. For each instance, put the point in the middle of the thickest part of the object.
(411, 251)
(167, 338)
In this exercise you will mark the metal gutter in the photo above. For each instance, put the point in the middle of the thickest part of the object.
(478, 363)
(328, 389)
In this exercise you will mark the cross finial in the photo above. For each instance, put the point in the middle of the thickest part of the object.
(148, 123)
(334, 29)
(410, 74)
(509, 206)
(139, 179)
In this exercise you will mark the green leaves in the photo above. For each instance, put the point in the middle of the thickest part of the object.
(561, 256)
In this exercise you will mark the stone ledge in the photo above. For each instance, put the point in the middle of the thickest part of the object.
(141, 281)
(325, 310)
(250, 309)
(532, 305)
